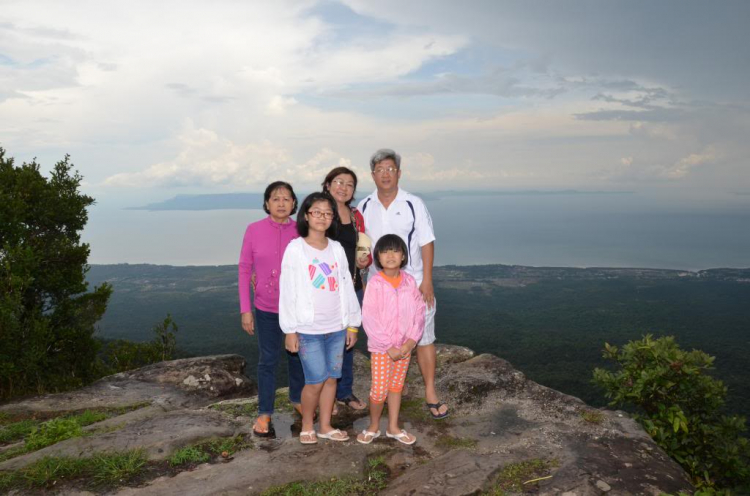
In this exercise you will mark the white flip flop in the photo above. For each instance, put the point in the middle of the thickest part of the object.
(402, 437)
(365, 434)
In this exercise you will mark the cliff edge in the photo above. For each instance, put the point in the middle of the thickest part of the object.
(506, 435)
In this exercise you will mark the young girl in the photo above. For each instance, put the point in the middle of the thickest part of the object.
(318, 312)
(393, 316)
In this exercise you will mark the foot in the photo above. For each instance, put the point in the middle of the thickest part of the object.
(308, 437)
(402, 437)
(366, 437)
(261, 427)
(335, 410)
(438, 410)
(353, 402)
(334, 435)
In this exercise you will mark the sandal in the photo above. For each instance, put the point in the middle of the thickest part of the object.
(312, 438)
(402, 437)
(262, 426)
(366, 437)
(348, 400)
(437, 406)
(334, 435)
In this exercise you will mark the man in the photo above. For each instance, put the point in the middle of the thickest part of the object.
(391, 210)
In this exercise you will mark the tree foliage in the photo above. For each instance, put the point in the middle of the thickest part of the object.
(120, 355)
(47, 314)
(680, 405)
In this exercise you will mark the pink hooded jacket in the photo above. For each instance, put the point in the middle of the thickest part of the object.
(392, 316)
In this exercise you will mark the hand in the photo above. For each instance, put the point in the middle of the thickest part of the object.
(248, 324)
(428, 293)
(291, 343)
(395, 354)
(351, 339)
(363, 262)
(407, 347)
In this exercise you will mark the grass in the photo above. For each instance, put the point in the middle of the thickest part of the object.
(517, 477)
(102, 470)
(37, 435)
(446, 441)
(204, 451)
(375, 480)
(414, 410)
(592, 416)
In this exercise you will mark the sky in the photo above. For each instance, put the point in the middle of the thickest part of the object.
(154, 99)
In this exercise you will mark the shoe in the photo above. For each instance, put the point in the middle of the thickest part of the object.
(366, 437)
(261, 427)
(402, 437)
(437, 406)
(308, 437)
(348, 400)
(334, 435)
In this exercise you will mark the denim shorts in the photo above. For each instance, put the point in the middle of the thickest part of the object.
(321, 355)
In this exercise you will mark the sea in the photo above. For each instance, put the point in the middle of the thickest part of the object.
(560, 229)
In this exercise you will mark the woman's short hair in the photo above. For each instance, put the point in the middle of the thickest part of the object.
(337, 172)
(303, 227)
(384, 154)
(273, 187)
(386, 243)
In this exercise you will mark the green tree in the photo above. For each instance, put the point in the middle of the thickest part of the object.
(680, 406)
(165, 341)
(47, 314)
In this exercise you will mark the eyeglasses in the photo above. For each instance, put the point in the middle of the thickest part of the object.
(319, 213)
(382, 170)
(342, 184)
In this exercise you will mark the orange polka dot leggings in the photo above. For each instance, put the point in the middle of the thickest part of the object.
(387, 376)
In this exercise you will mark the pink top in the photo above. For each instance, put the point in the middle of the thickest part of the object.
(391, 316)
(262, 250)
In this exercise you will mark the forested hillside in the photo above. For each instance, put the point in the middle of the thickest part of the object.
(550, 323)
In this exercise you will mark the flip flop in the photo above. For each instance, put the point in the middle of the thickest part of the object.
(402, 437)
(367, 436)
(262, 426)
(437, 406)
(352, 399)
(313, 438)
(334, 435)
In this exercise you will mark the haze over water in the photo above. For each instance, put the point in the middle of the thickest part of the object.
(580, 230)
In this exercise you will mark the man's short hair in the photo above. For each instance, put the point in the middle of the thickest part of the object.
(384, 154)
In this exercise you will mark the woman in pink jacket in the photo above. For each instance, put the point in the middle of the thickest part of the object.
(393, 317)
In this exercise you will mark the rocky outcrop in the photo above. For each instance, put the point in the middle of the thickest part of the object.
(499, 420)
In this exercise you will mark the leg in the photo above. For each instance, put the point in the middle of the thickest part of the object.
(427, 360)
(310, 399)
(394, 406)
(344, 388)
(396, 383)
(379, 384)
(312, 356)
(269, 347)
(327, 397)
(296, 378)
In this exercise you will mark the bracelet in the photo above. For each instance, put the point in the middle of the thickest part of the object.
(352, 329)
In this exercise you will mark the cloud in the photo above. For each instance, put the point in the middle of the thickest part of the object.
(631, 170)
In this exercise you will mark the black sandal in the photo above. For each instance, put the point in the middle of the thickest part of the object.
(348, 402)
(437, 406)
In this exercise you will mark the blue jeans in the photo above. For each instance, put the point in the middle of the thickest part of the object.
(321, 355)
(270, 344)
(344, 387)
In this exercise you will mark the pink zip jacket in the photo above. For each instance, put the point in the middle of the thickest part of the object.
(392, 316)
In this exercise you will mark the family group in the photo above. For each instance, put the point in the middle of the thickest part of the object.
(316, 284)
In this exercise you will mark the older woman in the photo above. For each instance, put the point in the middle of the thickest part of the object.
(341, 184)
(260, 265)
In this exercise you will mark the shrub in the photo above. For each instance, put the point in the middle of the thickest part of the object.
(680, 405)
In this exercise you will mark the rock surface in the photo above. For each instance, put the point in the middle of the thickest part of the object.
(498, 418)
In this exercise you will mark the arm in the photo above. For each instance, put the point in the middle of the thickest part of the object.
(371, 318)
(417, 326)
(288, 292)
(426, 288)
(245, 273)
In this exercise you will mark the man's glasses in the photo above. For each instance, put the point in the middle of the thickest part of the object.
(319, 214)
(382, 170)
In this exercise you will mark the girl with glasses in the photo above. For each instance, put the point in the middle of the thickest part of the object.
(318, 311)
